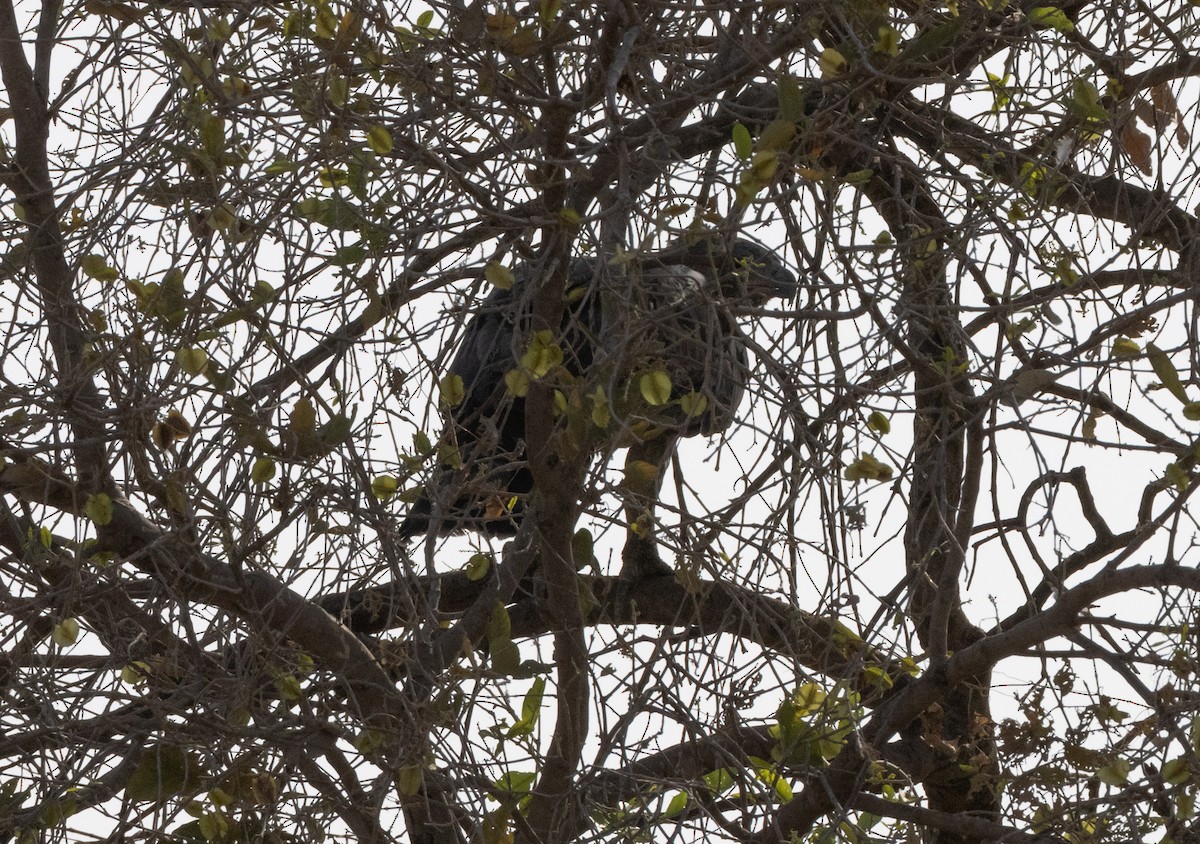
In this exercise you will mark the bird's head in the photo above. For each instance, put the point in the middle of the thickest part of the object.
(758, 274)
(747, 271)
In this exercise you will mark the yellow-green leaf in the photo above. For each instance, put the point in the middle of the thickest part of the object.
(601, 415)
(303, 418)
(478, 566)
(655, 387)
(1085, 101)
(262, 470)
(99, 508)
(409, 779)
(1166, 372)
(288, 686)
(641, 476)
(1124, 348)
(831, 62)
(452, 390)
(1176, 772)
(192, 361)
(1050, 17)
(879, 423)
(384, 487)
(135, 672)
(743, 146)
(888, 42)
(868, 468)
(516, 382)
(1114, 773)
(65, 633)
(1177, 477)
(162, 772)
(499, 275)
(777, 135)
(531, 710)
(379, 139)
(693, 403)
(94, 266)
(676, 806)
(542, 355)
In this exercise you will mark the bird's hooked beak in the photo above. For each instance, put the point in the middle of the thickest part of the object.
(760, 274)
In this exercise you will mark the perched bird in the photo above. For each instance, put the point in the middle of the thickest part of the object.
(650, 351)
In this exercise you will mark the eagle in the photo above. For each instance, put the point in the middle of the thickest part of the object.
(648, 347)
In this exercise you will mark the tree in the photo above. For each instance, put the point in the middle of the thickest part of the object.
(938, 581)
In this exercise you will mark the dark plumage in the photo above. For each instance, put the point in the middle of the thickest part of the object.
(668, 312)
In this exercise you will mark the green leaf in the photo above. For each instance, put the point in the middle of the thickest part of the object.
(1050, 17)
(379, 139)
(776, 136)
(499, 275)
(162, 772)
(693, 404)
(601, 415)
(478, 566)
(409, 779)
(65, 633)
(582, 548)
(655, 387)
(336, 431)
(515, 784)
(94, 266)
(791, 98)
(879, 423)
(214, 826)
(1124, 348)
(516, 381)
(451, 390)
(1177, 477)
(831, 62)
(531, 710)
(506, 657)
(1176, 772)
(262, 470)
(719, 780)
(1166, 372)
(99, 508)
(542, 355)
(280, 165)
(677, 805)
(212, 135)
(868, 468)
(1115, 773)
(192, 361)
(1085, 101)
(888, 42)
(384, 487)
(743, 145)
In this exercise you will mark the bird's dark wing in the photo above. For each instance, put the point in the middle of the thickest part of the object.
(666, 313)
(481, 486)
